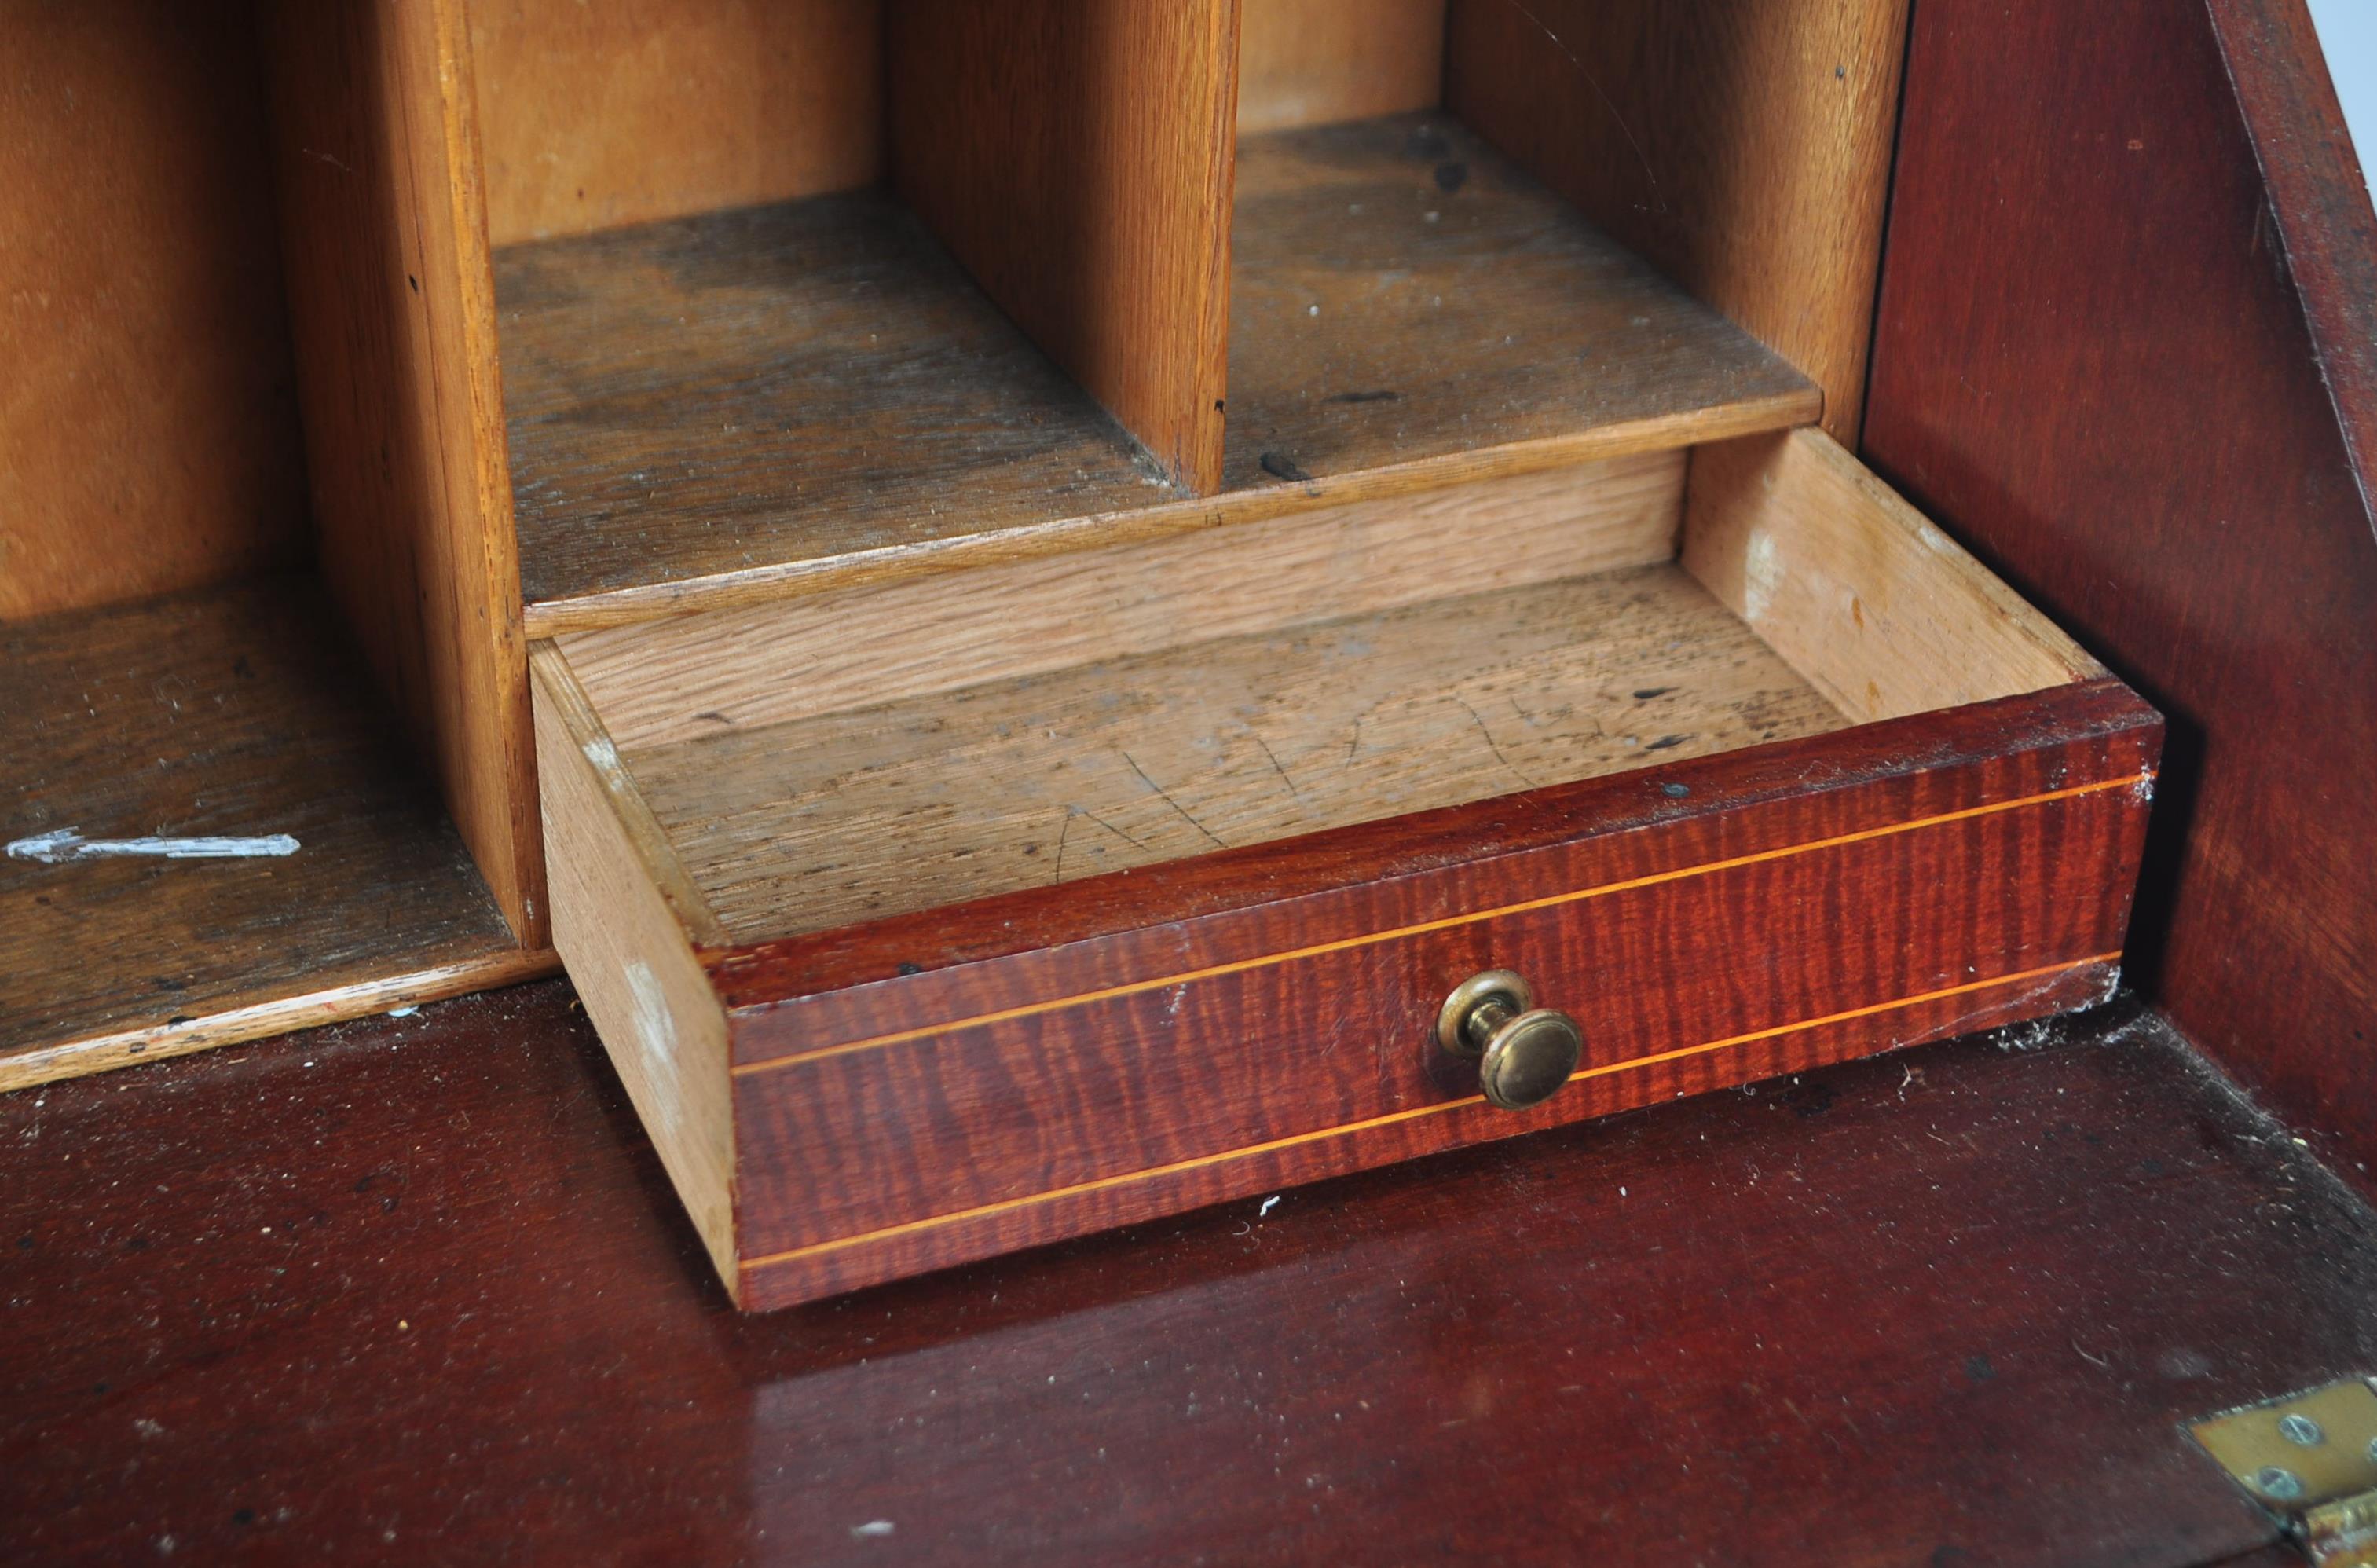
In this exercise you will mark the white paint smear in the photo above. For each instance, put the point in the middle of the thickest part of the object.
(65, 844)
(656, 1026)
(1762, 574)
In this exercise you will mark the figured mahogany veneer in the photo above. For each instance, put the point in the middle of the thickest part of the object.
(888, 1122)
(935, 919)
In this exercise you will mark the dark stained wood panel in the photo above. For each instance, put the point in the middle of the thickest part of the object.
(971, 1102)
(416, 1290)
(719, 409)
(1401, 290)
(229, 712)
(2093, 364)
(1075, 155)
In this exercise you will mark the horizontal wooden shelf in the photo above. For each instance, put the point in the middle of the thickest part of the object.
(710, 409)
(1400, 293)
(235, 712)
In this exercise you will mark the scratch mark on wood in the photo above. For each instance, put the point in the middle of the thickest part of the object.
(1169, 801)
(1111, 829)
(1493, 746)
(1277, 769)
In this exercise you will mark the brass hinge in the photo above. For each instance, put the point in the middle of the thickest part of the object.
(2311, 1458)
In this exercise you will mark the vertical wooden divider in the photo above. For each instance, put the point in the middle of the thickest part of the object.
(392, 309)
(1743, 150)
(1077, 157)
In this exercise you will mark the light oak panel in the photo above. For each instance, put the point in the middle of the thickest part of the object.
(599, 115)
(688, 677)
(1312, 62)
(931, 800)
(1882, 612)
(148, 436)
(1075, 155)
(631, 957)
(392, 301)
(1744, 148)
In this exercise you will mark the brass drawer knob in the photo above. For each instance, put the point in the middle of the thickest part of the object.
(1523, 1052)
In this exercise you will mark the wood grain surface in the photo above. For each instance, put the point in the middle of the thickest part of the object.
(1401, 290)
(384, 227)
(148, 436)
(1133, 761)
(423, 1279)
(2118, 402)
(596, 116)
(1067, 1075)
(686, 676)
(693, 398)
(626, 919)
(226, 712)
(1882, 612)
(1315, 62)
(2318, 194)
(1075, 156)
(1744, 149)
(816, 384)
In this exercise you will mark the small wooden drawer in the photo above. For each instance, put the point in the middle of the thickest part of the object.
(936, 917)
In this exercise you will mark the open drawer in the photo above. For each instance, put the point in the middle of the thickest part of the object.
(934, 918)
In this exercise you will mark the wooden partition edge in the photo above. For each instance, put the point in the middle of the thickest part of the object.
(392, 306)
(637, 973)
(1744, 150)
(1077, 157)
(280, 1015)
(1881, 611)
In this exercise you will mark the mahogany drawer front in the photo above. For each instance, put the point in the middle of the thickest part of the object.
(909, 1123)
(848, 1104)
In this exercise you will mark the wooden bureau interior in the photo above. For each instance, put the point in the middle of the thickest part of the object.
(794, 475)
